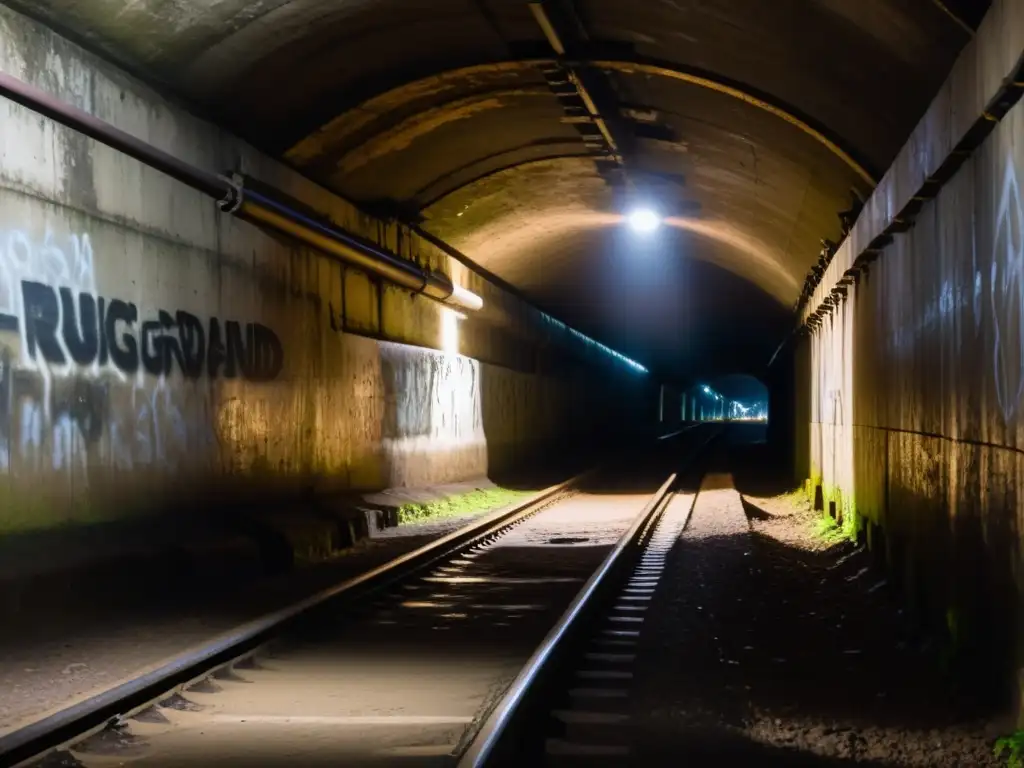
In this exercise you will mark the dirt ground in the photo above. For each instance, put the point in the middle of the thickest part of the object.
(768, 645)
(402, 680)
(46, 667)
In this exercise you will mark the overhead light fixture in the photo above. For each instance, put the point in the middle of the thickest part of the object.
(644, 220)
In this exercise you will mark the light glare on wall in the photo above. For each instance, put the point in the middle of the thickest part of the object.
(450, 330)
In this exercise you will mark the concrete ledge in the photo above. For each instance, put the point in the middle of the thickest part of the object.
(72, 571)
(301, 536)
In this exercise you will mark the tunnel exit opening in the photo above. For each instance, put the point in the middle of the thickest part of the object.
(728, 398)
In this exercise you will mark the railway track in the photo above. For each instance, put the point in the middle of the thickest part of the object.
(569, 705)
(402, 664)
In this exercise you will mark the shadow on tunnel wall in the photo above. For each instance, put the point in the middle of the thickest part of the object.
(541, 428)
(939, 516)
(798, 360)
(915, 388)
(282, 485)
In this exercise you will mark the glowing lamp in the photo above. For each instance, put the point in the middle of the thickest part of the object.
(644, 220)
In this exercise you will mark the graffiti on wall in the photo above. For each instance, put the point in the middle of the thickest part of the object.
(90, 377)
(60, 328)
(1007, 293)
(1001, 280)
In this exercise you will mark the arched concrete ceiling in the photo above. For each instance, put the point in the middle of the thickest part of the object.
(749, 123)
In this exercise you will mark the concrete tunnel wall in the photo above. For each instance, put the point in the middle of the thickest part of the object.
(909, 410)
(153, 349)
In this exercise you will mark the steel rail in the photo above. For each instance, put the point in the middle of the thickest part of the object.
(88, 716)
(483, 750)
(76, 722)
(484, 744)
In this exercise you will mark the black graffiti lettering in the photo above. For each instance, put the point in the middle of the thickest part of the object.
(266, 355)
(216, 352)
(93, 328)
(102, 311)
(167, 344)
(257, 355)
(237, 361)
(124, 355)
(81, 328)
(42, 315)
(151, 345)
(192, 340)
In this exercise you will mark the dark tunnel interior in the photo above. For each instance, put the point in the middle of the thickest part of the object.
(480, 383)
(734, 121)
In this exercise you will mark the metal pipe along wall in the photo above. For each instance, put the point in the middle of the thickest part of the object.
(248, 205)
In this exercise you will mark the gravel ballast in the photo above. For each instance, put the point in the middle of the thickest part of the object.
(767, 645)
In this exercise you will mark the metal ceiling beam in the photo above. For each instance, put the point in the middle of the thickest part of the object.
(541, 16)
(566, 36)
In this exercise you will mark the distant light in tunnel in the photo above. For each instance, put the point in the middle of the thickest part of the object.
(644, 220)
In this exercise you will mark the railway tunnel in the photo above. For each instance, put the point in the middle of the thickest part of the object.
(268, 267)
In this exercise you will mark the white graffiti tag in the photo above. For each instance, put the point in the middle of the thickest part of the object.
(1007, 295)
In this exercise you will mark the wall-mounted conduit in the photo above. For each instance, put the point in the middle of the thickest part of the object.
(235, 198)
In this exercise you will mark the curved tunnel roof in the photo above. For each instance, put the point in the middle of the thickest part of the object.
(748, 124)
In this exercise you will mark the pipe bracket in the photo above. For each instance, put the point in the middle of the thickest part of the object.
(235, 194)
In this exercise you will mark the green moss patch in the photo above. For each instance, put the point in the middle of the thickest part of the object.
(1013, 747)
(826, 529)
(831, 532)
(480, 500)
